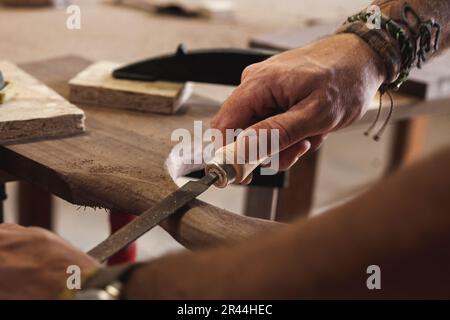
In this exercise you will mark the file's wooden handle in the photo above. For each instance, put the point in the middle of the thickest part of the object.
(231, 166)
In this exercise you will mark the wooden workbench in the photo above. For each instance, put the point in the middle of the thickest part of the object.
(119, 164)
(113, 33)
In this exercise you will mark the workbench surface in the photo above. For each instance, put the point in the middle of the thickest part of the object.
(124, 34)
(119, 164)
(85, 172)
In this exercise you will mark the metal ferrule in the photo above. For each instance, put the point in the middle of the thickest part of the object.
(225, 172)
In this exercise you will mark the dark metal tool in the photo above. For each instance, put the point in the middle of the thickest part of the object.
(221, 171)
(152, 217)
(220, 66)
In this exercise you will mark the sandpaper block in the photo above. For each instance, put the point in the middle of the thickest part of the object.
(96, 86)
(31, 110)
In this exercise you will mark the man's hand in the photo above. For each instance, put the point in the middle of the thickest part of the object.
(305, 93)
(33, 263)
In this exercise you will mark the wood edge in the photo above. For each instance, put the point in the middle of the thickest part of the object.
(7, 92)
(101, 96)
(79, 128)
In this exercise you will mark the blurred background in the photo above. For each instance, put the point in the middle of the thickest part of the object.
(349, 162)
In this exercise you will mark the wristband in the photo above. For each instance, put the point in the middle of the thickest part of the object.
(381, 43)
(399, 43)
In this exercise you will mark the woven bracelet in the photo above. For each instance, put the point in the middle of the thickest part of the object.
(392, 43)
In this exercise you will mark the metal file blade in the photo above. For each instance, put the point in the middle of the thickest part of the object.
(152, 217)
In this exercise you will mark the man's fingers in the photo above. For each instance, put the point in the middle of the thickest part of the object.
(249, 103)
(248, 179)
(317, 141)
(294, 125)
(290, 156)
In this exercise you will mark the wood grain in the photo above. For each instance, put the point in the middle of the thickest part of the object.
(35, 111)
(96, 86)
(119, 164)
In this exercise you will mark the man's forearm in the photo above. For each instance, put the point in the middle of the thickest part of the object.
(439, 10)
(401, 225)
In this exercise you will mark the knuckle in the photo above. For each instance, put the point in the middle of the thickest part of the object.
(326, 74)
(327, 117)
(250, 70)
(329, 120)
(41, 234)
(285, 137)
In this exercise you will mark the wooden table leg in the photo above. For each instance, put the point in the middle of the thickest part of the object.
(297, 199)
(35, 206)
(407, 142)
(260, 201)
(118, 220)
(2, 200)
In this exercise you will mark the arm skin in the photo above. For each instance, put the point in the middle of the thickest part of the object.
(401, 225)
(309, 92)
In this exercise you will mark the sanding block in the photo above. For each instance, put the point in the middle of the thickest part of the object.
(96, 86)
(30, 110)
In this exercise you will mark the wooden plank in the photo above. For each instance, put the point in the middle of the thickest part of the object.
(26, 3)
(34, 206)
(297, 199)
(119, 164)
(259, 202)
(35, 111)
(5, 177)
(96, 86)
(407, 143)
